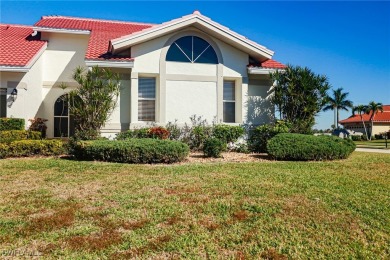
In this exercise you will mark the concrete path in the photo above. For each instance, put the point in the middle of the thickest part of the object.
(373, 150)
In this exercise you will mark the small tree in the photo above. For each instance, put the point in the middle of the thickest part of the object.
(93, 100)
(299, 94)
(338, 102)
(372, 109)
(361, 109)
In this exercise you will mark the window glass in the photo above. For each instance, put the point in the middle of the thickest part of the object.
(146, 87)
(61, 127)
(146, 110)
(229, 112)
(229, 90)
(61, 107)
(3, 105)
(192, 49)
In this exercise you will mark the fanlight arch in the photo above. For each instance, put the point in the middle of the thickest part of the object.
(192, 49)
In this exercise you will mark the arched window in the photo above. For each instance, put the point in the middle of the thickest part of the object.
(192, 49)
(63, 122)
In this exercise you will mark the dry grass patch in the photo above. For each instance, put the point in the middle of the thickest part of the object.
(95, 242)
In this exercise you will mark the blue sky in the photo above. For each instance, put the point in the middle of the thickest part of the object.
(349, 42)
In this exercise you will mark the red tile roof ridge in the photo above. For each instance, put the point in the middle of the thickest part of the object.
(94, 19)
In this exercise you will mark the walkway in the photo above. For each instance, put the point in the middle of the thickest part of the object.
(372, 150)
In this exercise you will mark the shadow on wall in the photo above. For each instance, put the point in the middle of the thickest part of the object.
(260, 111)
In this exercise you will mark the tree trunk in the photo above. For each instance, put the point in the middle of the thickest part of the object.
(335, 118)
(364, 125)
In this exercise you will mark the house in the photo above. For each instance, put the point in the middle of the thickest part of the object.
(170, 71)
(380, 124)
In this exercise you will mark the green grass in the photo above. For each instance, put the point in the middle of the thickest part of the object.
(275, 210)
(379, 144)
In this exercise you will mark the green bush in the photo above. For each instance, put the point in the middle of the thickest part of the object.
(228, 133)
(260, 135)
(131, 151)
(213, 147)
(356, 137)
(7, 124)
(3, 150)
(15, 135)
(301, 147)
(134, 133)
(32, 147)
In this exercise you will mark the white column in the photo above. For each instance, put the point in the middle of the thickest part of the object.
(219, 93)
(134, 98)
(244, 100)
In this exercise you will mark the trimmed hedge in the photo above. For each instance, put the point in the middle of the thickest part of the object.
(134, 133)
(32, 147)
(213, 147)
(15, 135)
(131, 151)
(7, 124)
(227, 133)
(260, 135)
(299, 147)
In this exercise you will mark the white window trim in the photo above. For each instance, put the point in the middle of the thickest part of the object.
(150, 99)
(230, 101)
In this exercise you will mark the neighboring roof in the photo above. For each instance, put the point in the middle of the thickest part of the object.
(199, 21)
(17, 47)
(268, 64)
(102, 31)
(379, 117)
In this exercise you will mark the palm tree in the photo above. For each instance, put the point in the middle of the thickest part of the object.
(338, 102)
(361, 109)
(373, 108)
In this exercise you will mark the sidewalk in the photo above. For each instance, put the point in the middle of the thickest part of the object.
(372, 150)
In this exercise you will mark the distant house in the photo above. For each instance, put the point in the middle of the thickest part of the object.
(169, 71)
(381, 122)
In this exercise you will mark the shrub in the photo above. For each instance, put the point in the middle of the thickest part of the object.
(259, 137)
(7, 124)
(356, 137)
(131, 151)
(15, 135)
(134, 133)
(32, 147)
(228, 134)
(301, 147)
(213, 147)
(158, 132)
(3, 150)
(38, 124)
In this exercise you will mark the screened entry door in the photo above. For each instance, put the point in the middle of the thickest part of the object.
(63, 122)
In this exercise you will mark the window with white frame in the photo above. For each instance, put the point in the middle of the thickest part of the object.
(147, 99)
(3, 102)
(63, 122)
(229, 101)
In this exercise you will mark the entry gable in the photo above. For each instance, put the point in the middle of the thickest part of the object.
(200, 22)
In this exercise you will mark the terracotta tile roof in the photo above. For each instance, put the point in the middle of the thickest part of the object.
(272, 64)
(102, 31)
(268, 64)
(379, 117)
(17, 47)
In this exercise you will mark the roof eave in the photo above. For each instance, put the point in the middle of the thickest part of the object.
(60, 30)
(198, 20)
(262, 71)
(110, 64)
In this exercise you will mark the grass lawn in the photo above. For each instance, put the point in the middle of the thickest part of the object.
(275, 210)
(380, 144)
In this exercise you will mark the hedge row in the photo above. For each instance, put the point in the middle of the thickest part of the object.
(299, 147)
(131, 151)
(32, 147)
(7, 124)
(16, 135)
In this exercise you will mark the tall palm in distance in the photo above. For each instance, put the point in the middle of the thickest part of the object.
(361, 110)
(372, 109)
(338, 102)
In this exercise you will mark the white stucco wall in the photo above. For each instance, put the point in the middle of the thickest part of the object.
(187, 98)
(64, 53)
(259, 108)
(29, 86)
